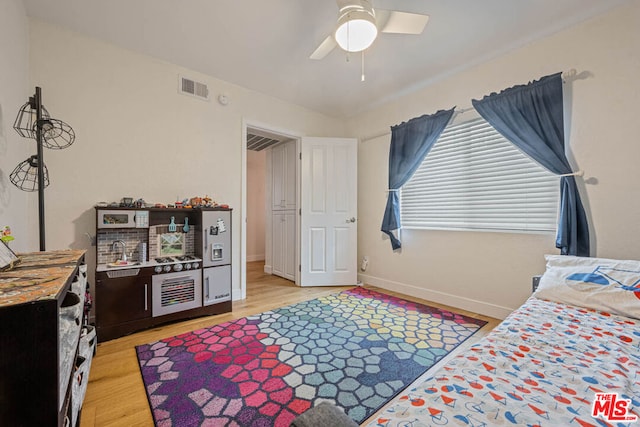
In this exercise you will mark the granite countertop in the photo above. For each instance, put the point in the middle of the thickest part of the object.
(38, 276)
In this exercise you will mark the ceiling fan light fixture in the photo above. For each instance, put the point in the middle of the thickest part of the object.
(356, 30)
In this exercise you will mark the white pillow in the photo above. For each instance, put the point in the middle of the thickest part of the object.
(603, 284)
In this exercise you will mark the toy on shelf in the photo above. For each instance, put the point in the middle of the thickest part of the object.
(6, 235)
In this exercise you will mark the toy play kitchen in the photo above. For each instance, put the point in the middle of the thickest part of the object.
(160, 264)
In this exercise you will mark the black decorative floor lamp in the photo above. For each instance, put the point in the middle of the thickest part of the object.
(33, 121)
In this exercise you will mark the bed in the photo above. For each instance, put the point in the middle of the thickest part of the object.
(570, 355)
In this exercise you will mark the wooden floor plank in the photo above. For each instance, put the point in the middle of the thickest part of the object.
(115, 393)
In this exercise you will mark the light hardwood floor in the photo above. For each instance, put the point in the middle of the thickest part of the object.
(115, 394)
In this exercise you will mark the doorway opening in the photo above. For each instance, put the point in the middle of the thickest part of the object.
(270, 202)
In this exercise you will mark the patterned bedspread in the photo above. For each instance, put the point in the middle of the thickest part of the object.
(542, 366)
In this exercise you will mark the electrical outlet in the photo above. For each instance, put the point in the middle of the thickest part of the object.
(365, 263)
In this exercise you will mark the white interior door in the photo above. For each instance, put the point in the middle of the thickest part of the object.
(328, 253)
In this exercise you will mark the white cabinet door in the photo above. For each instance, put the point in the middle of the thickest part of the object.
(283, 167)
(277, 250)
(290, 175)
(278, 175)
(289, 244)
(329, 209)
(283, 251)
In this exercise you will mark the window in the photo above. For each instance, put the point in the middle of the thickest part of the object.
(171, 244)
(474, 178)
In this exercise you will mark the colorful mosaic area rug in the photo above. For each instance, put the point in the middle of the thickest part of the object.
(357, 349)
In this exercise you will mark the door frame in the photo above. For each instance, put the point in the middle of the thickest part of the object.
(252, 124)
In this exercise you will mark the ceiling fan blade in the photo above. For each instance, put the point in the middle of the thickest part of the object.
(394, 21)
(325, 47)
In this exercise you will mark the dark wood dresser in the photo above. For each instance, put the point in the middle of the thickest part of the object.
(43, 365)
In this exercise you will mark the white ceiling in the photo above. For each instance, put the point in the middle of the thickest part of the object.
(264, 45)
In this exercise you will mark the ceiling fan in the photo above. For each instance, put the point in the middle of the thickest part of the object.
(359, 25)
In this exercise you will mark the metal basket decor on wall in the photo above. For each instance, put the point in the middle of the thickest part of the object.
(33, 121)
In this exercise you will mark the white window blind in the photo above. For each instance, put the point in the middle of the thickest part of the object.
(474, 178)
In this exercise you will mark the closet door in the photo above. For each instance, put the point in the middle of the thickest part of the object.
(278, 174)
(289, 245)
(283, 167)
(283, 251)
(289, 184)
(277, 255)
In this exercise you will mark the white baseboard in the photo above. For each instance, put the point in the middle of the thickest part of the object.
(252, 258)
(468, 304)
(268, 269)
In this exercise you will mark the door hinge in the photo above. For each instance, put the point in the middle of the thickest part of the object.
(299, 268)
(300, 156)
(300, 211)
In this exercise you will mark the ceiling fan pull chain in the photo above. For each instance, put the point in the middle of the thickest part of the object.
(362, 70)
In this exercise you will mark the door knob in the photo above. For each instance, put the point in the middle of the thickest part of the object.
(352, 219)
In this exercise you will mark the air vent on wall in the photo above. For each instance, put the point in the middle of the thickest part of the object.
(259, 142)
(258, 139)
(193, 88)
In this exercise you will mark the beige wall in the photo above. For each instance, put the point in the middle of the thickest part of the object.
(137, 136)
(256, 208)
(491, 272)
(14, 92)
